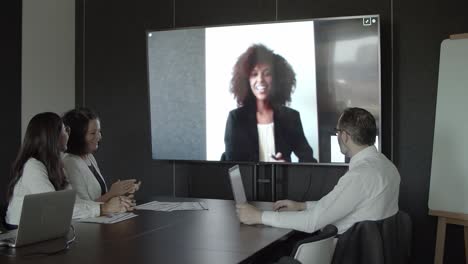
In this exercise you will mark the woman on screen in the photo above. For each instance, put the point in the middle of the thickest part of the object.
(263, 128)
(38, 168)
(81, 166)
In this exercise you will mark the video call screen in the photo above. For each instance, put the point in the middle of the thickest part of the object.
(335, 63)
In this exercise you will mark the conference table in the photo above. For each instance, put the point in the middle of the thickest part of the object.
(203, 236)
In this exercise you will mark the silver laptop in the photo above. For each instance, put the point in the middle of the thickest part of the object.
(237, 185)
(239, 191)
(44, 216)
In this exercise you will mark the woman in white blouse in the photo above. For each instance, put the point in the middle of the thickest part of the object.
(38, 168)
(81, 166)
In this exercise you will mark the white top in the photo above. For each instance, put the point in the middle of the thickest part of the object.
(36, 180)
(368, 191)
(266, 141)
(81, 177)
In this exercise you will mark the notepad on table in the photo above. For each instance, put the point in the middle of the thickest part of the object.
(108, 219)
(172, 206)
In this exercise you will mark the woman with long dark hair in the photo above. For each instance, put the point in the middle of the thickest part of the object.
(38, 168)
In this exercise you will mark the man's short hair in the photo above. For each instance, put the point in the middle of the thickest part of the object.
(360, 124)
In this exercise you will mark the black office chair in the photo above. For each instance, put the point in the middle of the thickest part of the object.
(385, 241)
(316, 249)
(3, 209)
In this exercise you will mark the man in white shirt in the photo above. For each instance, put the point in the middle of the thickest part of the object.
(368, 191)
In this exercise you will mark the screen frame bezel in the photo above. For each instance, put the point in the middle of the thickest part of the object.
(346, 163)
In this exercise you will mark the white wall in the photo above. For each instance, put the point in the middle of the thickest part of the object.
(48, 57)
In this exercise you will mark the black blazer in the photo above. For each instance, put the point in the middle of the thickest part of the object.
(241, 135)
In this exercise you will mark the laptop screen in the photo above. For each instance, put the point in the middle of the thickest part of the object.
(237, 185)
(45, 216)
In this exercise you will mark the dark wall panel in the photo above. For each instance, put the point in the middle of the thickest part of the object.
(10, 85)
(115, 85)
(420, 27)
(304, 183)
(296, 9)
(209, 180)
(189, 13)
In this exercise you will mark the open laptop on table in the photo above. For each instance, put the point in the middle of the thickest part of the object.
(239, 191)
(44, 216)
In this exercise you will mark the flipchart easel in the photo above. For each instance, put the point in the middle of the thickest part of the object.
(449, 175)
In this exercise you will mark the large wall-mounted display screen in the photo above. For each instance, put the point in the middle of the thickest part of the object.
(265, 92)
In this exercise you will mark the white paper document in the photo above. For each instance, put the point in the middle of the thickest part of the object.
(108, 219)
(172, 206)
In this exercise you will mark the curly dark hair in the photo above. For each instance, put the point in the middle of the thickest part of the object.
(284, 78)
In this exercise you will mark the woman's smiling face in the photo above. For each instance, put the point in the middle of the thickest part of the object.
(93, 135)
(260, 80)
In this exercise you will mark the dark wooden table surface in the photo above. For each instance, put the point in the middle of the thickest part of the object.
(207, 236)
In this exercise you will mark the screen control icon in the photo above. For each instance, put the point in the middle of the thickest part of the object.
(369, 21)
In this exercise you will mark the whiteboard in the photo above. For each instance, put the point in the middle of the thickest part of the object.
(449, 173)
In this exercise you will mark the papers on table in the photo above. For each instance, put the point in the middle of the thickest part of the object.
(153, 206)
(109, 219)
(172, 206)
